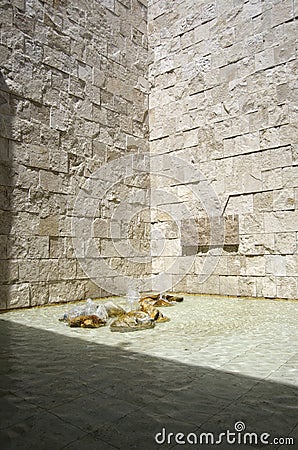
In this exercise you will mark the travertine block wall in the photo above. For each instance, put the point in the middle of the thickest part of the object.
(224, 99)
(74, 96)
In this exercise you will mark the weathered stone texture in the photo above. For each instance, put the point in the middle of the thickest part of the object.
(217, 88)
(73, 96)
(224, 98)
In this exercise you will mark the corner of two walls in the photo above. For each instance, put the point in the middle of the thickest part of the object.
(74, 97)
(224, 99)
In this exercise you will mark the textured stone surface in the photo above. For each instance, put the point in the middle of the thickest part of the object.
(223, 98)
(73, 96)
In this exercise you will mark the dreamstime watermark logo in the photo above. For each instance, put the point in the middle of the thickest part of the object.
(142, 198)
(238, 436)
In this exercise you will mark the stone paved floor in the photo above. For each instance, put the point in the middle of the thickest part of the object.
(217, 362)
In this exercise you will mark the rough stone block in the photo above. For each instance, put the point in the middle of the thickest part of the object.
(287, 287)
(255, 265)
(29, 270)
(263, 201)
(285, 243)
(266, 287)
(231, 230)
(9, 271)
(48, 270)
(39, 294)
(276, 265)
(280, 221)
(247, 286)
(49, 226)
(38, 247)
(229, 285)
(19, 296)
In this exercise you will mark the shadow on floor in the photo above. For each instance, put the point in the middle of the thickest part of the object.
(65, 393)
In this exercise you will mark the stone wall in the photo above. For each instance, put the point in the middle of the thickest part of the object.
(74, 96)
(218, 213)
(224, 99)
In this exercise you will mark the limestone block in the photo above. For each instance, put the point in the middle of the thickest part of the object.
(101, 228)
(290, 177)
(277, 157)
(241, 124)
(3, 245)
(61, 247)
(196, 233)
(39, 294)
(285, 243)
(235, 265)
(263, 201)
(9, 271)
(168, 229)
(29, 270)
(38, 247)
(63, 291)
(210, 286)
(281, 12)
(181, 285)
(266, 286)
(51, 182)
(24, 224)
(229, 285)
(18, 296)
(247, 143)
(276, 265)
(242, 204)
(39, 156)
(209, 12)
(205, 263)
(289, 134)
(80, 272)
(287, 287)
(259, 119)
(283, 53)
(264, 59)
(76, 86)
(272, 179)
(283, 199)
(92, 290)
(49, 226)
(231, 223)
(256, 244)
(66, 269)
(48, 270)
(167, 247)
(280, 221)
(158, 265)
(247, 286)
(270, 138)
(282, 92)
(292, 265)
(60, 119)
(255, 265)
(17, 247)
(109, 248)
(58, 160)
(251, 223)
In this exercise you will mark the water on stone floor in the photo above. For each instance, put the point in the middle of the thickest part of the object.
(217, 361)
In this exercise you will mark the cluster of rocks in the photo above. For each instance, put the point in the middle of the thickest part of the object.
(144, 316)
